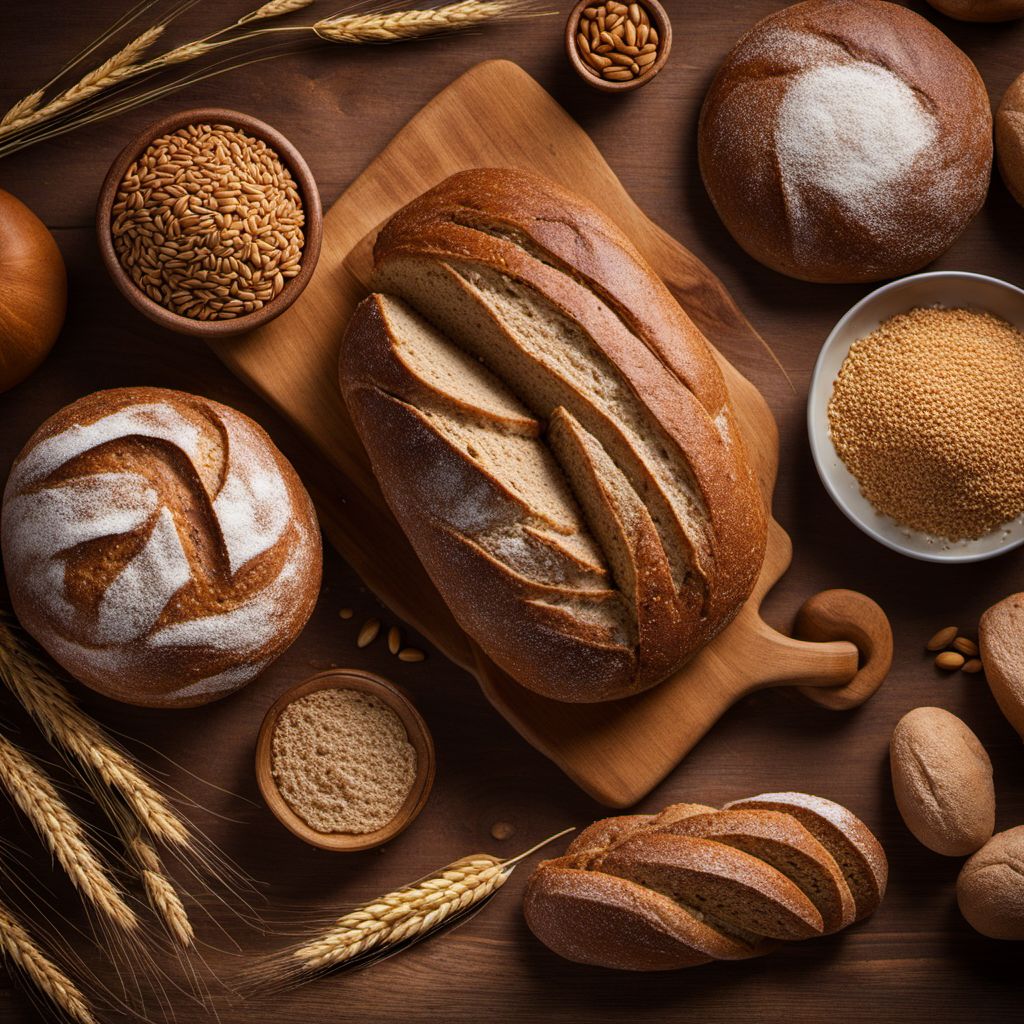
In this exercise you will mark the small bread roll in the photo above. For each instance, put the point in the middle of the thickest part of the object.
(989, 889)
(942, 780)
(980, 10)
(1001, 638)
(1009, 128)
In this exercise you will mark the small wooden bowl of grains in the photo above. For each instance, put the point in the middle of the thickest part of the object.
(916, 416)
(209, 222)
(344, 760)
(618, 47)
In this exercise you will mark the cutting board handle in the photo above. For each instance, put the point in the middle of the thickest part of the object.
(847, 615)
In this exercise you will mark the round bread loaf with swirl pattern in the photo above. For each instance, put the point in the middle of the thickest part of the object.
(159, 546)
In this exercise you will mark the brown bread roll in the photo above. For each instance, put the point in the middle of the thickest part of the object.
(554, 436)
(1009, 133)
(1001, 639)
(942, 781)
(846, 140)
(989, 890)
(647, 892)
(159, 546)
(980, 10)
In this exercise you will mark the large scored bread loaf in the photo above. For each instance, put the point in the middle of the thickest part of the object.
(158, 546)
(553, 434)
(691, 884)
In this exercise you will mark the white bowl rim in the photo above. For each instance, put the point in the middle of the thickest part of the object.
(817, 444)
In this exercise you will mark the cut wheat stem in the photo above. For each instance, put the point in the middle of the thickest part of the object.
(66, 726)
(64, 835)
(19, 948)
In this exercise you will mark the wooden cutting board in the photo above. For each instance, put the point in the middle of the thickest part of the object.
(496, 115)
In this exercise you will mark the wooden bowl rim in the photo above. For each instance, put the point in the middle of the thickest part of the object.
(415, 727)
(307, 188)
(662, 23)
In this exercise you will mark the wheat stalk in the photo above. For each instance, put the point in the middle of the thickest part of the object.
(111, 72)
(18, 947)
(64, 835)
(66, 726)
(394, 26)
(160, 892)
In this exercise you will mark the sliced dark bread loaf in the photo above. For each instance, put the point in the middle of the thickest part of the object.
(594, 918)
(781, 841)
(600, 837)
(724, 885)
(857, 852)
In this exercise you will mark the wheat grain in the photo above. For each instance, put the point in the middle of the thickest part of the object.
(66, 726)
(20, 949)
(25, 106)
(64, 835)
(394, 26)
(406, 913)
(274, 9)
(114, 71)
(160, 892)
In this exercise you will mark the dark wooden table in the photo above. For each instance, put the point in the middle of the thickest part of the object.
(916, 959)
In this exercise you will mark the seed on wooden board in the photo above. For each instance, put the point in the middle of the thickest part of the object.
(597, 61)
(972, 666)
(410, 654)
(502, 830)
(966, 647)
(942, 639)
(368, 633)
(949, 661)
(617, 74)
(346, 613)
(394, 640)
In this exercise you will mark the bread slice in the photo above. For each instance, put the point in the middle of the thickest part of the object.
(857, 852)
(598, 919)
(781, 841)
(598, 838)
(1001, 638)
(721, 884)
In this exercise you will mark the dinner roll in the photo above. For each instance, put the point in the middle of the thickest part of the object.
(1001, 639)
(989, 889)
(158, 546)
(1010, 138)
(942, 781)
(846, 140)
(980, 10)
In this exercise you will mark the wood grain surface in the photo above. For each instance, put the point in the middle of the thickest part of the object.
(916, 960)
(495, 115)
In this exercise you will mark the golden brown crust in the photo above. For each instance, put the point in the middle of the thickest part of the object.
(159, 546)
(1001, 639)
(819, 233)
(527, 230)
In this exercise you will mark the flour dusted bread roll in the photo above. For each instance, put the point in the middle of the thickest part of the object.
(846, 140)
(980, 10)
(554, 436)
(158, 546)
(989, 891)
(650, 892)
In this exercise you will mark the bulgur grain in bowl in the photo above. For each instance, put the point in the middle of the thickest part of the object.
(209, 222)
(916, 416)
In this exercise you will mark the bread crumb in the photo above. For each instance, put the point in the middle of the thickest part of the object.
(342, 760)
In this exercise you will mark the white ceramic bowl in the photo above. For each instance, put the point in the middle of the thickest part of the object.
(941, 288)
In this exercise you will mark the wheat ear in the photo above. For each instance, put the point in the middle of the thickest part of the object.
(117, 69)
(160, 892)
(274, 9)
(64, 835)
(66, 726)
(394, 26)
(18, 947)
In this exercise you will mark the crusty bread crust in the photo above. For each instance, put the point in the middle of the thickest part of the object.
(810, 232)
(1001, 638)
(159, 546)
(668, 493)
